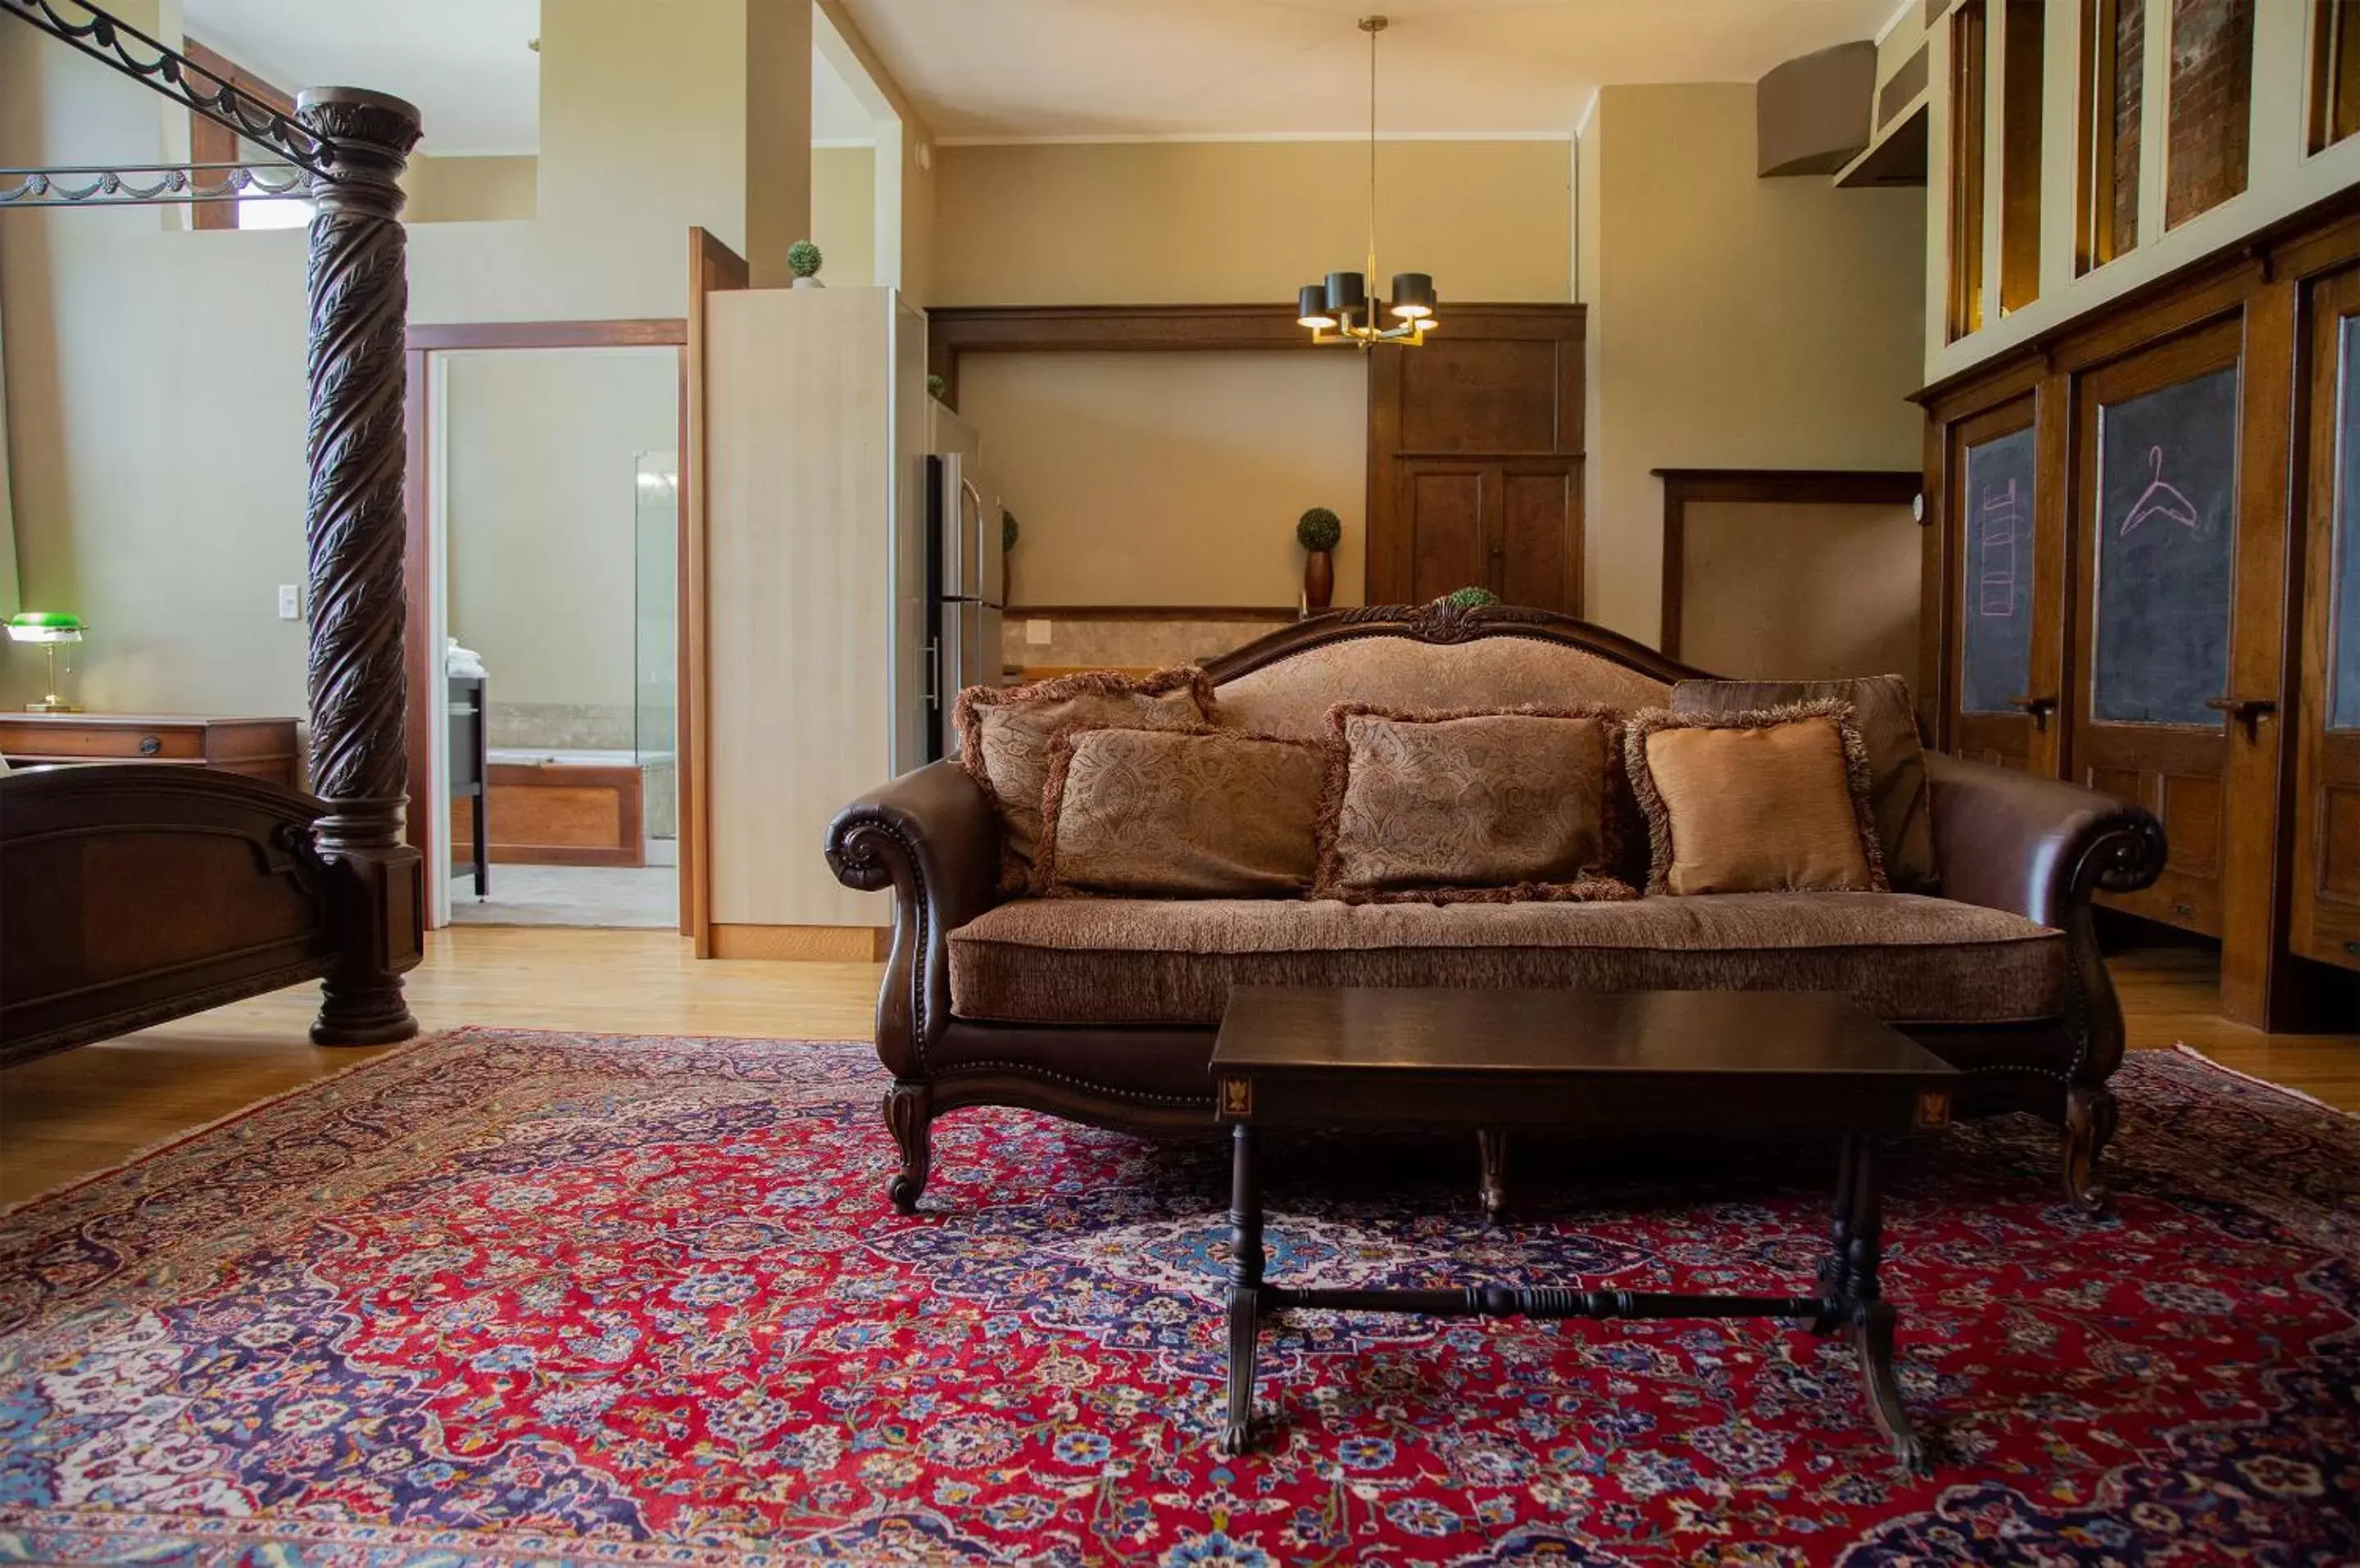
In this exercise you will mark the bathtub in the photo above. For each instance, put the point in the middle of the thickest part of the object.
(572, 806)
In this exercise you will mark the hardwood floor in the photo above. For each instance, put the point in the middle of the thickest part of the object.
(79, 1112)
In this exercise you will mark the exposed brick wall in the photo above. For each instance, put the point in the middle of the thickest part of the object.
(2211, 105)
(2130, 77)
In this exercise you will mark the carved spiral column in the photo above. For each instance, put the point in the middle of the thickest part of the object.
(353, 523)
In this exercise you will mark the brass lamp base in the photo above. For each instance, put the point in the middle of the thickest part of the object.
(53, 704)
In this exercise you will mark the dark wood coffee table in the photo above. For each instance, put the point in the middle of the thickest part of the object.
(1753, 1065)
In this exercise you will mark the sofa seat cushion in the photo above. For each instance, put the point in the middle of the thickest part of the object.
(1904, 957)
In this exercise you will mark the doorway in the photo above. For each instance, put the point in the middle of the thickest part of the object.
(546, 600)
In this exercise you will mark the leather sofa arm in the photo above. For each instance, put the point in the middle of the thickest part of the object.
(932, 836)
(2037, 846)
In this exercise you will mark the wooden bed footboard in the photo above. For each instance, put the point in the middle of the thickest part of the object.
(132, 894)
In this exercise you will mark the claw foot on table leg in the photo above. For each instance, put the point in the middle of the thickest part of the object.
(1872, 1338)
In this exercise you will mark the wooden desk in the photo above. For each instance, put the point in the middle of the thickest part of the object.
(259, 749)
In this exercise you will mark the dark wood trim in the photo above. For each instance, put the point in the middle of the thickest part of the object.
(1793, 486)
(421, 340)
(1155, 612)
(646, 332)
(953, 330)
(1970, 93)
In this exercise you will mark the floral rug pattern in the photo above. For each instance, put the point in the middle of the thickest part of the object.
(517, 1297)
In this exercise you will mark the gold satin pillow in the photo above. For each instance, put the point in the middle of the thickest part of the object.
(1495, 806)
(1772, 800)
(1005, 732)
(1887, 718)
(1179, 814)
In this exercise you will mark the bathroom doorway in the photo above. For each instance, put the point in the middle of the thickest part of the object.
(546, 502)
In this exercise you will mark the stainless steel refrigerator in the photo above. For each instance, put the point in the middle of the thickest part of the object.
(965, 573)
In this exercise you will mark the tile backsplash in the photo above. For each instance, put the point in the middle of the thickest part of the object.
(1075, 640)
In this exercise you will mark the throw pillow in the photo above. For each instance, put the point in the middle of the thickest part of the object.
(1203, 814)
(1771, 800)
(1005, 734)
(1478, 805)
(1896, 761)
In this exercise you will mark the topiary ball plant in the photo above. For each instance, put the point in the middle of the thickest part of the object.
(1008, 530)
(803, 259)
(1319, 529)
(1471, 598)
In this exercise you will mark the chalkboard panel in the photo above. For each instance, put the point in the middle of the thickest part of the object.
(1997, 580)
(2167, 533)
(2343, 628)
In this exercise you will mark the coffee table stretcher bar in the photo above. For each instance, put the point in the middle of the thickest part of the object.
(1848, 1297)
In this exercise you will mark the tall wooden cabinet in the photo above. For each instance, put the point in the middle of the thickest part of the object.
(1475, 459)
(2139, 579)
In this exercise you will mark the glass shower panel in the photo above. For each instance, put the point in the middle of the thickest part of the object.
(655, 632)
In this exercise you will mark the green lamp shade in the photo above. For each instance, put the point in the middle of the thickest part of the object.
(45, 625)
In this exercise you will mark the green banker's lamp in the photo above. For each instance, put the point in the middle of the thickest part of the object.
(49, 628)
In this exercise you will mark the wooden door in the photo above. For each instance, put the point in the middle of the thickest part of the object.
(2161, 534)
(1475, 459)
(1513, 528)
(2006, 651)
(2324, 920)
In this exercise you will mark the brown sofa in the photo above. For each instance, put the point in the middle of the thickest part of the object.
(1105, 1009)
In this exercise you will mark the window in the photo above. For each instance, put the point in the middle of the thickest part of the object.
(2211, 105)
(2334, 73)
(212, 143)
(2021, 49)
(1967, 88)
(2113, 75)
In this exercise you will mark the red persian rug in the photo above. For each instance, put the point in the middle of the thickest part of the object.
(514, 1296)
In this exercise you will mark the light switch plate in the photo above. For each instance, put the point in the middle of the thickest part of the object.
(290, 601)
(1036, 633)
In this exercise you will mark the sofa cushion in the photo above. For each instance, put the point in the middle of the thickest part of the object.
(1757, 802)
(1005, 734)
(1904, 957)
(1487, 805)
(1203, 814)
(1896, 759)
(1292, 696)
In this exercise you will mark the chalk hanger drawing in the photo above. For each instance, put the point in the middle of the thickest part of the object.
(2161, 500)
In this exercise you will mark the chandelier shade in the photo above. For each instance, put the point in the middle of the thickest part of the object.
(1342, 311)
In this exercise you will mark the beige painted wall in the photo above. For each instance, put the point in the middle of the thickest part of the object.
(1172, 478)
(470, 190)
(1734, 322)
(844, 214)
(1799, 592)
(1166, 223)
(10, 602)
(155, 375)
(541, 497)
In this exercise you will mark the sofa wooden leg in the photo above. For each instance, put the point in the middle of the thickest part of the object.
(908, 1111)
(2090, 1116)
(1494, 1147)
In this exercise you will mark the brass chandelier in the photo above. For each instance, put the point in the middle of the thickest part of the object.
(1344, 308)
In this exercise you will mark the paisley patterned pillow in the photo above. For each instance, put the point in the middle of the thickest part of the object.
(1201, 813)
(1478, 805)
(1005, 734)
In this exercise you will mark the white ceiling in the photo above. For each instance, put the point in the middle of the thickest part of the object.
(1092, 69)
(467, 64)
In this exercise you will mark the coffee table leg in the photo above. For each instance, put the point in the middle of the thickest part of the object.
(1835, 1269)
(1494, 1146)
(1870, 1318)
(1245, 1285)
